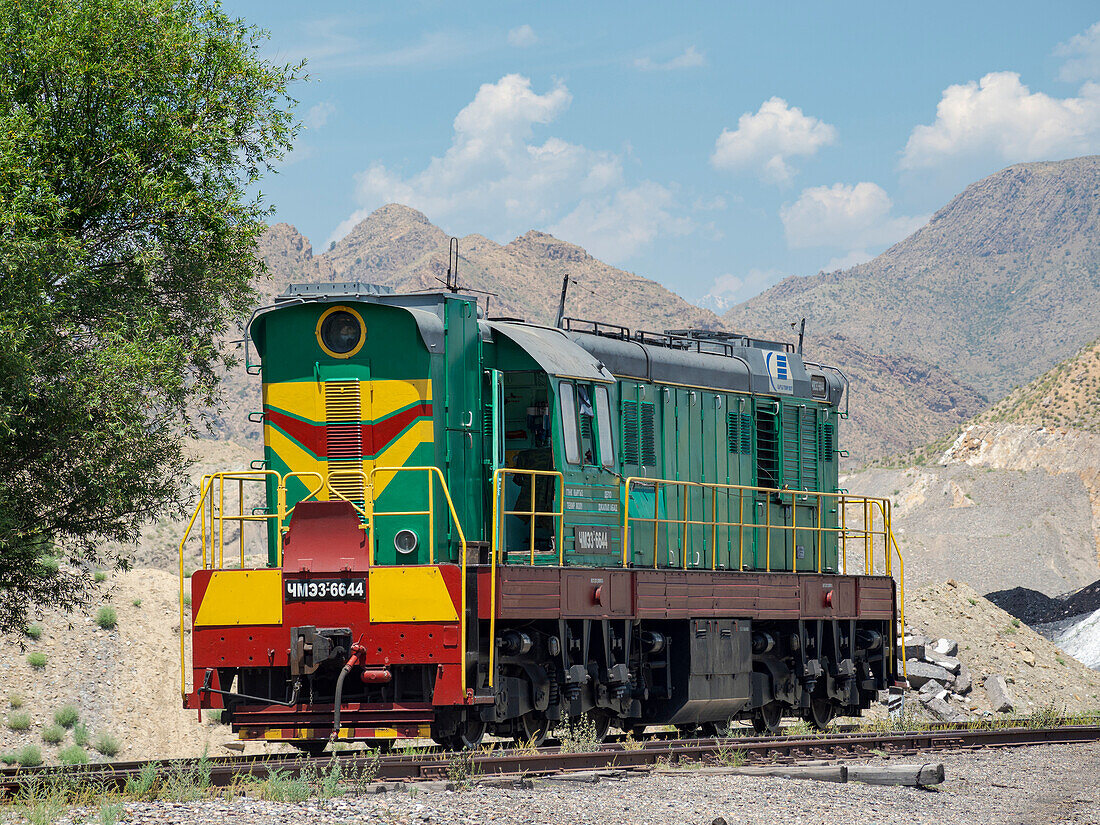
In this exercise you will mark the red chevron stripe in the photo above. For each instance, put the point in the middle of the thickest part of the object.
(374, 437)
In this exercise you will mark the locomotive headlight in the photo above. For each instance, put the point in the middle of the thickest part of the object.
(406, 542)
(818, 387)
(340, 332)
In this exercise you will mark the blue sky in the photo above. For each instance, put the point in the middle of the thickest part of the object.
(716, 148)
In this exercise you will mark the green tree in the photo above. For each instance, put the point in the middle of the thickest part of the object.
(132, 137)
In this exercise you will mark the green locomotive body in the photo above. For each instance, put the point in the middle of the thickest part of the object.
(642, 527)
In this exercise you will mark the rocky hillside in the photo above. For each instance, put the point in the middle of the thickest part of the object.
(1011, 498)
(399, 247)
(1001, 284)
(897, 398)
(1066, 396)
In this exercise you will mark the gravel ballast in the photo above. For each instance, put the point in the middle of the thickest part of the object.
(1022, 785)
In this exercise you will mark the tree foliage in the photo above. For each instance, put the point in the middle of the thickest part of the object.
(132, 136)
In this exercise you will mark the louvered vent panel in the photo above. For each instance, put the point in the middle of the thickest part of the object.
(746, 433)
(586, 427)
(649, 447)
(733, 436)
(792, 474)
(630, 433)
(828, 441)
(810, 476)
(343, 414)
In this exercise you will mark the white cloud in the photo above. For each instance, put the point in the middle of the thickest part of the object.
(522, 36)
(318, 115)
(495, 179)
(852, 218)
(691, 58)
(614, 227)
(765, 141)
(1083, 56)
(333, 43)
(729, 289)
(999, 117)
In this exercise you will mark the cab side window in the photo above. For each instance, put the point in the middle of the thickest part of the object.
(603, 422)
(586, 415)
(568, 404)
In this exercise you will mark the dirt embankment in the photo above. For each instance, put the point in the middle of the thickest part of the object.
(125, 681)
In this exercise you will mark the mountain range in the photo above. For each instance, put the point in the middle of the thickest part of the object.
(999, 285)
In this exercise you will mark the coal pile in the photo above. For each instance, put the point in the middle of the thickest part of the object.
(1036, 608)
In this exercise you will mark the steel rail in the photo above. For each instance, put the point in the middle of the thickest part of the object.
(548, 760)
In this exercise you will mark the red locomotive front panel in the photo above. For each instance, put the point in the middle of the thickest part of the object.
(266, 641)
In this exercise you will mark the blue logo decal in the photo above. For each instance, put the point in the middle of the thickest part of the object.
(779, 372)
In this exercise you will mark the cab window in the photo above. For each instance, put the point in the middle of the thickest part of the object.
(567, 402)
(586, 416)
(603, 422)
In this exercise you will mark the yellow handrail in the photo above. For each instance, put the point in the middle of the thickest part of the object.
(870, 531)
(498, 535)
(432, 471)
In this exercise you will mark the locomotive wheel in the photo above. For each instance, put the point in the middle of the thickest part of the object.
(531, 730)
(821, 712)
(469, 736)
(600, 722)
(768, 718)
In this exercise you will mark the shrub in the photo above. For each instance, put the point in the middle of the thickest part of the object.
(15, 700)
(145, 785)
(66, 716)
(33, 631)
(53, 734)
(8, 758)
(73, 755)
(36, 659)
(99, 577)
(110, 813)
(280, 786)
(29, 757)
(107, 744)
(107, 618)
(137, 602)
(19, 721)
(80, 734)
(50, 564)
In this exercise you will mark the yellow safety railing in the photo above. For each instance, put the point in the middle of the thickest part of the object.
(438, 474)
(210, 513)
(499, 513)
(873, 524)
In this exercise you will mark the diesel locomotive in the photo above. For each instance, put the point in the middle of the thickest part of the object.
(463, 525)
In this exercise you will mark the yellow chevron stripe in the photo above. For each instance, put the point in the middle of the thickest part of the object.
(377, 398)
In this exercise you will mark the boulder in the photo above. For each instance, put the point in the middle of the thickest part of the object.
(963, 681)
(942, 710)
(946, 662)
(918, 673)
(915, 646)
(997, 691)
(932, 689)
(946, 647)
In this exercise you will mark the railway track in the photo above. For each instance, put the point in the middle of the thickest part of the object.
(643, 755)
